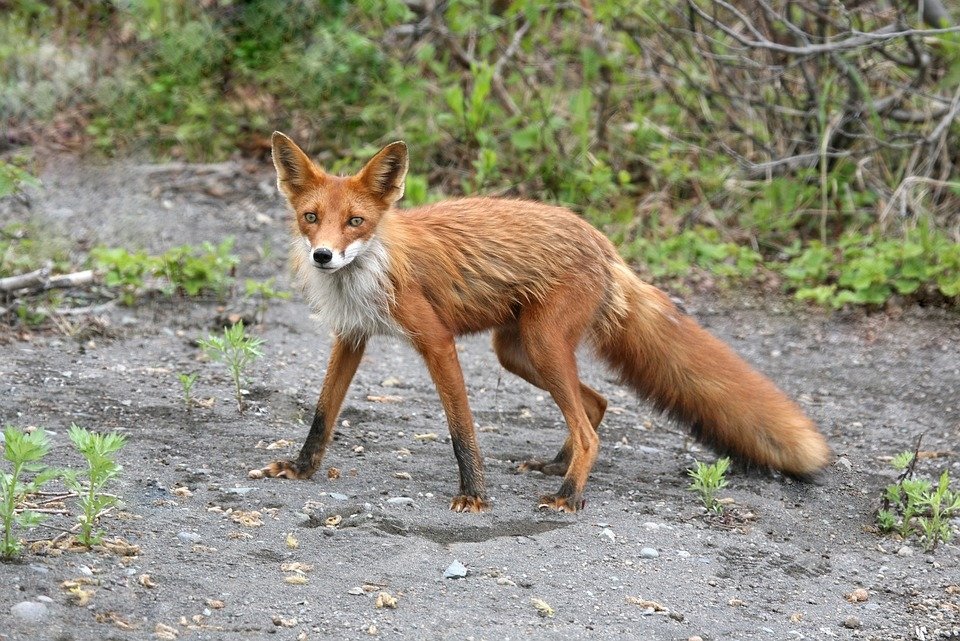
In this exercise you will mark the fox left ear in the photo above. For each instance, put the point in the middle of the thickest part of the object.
(384, 174)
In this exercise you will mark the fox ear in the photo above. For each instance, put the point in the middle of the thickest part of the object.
(383, 176)
(294, 168)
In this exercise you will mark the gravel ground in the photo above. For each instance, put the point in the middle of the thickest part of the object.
(220, 556)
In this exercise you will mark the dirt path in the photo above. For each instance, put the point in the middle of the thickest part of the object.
(779, 570)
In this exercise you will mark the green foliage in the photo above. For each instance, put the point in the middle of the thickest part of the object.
(263, 292)
(23, 450)
(124, 270)
(708, 480)
(918, 507)
(100, 452)
(237, 350)
(869, 270)
(13, 178)
(24, 248)
(187, 382)
(702, 247)
(194, 270)
(186, 270)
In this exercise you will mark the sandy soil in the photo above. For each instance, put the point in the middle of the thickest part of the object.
(779, 568)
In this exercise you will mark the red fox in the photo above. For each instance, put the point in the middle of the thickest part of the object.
(543, 280)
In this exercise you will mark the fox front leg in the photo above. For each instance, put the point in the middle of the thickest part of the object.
(344, 360)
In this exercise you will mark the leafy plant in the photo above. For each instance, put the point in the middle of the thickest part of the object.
(100, 451)
(124, 270)
(187, 382)
(237, 350)
(193, 270)
(263, 292)
(869, 270)
(918, 506)
(708, 480)
(23, 450)
(13, 178)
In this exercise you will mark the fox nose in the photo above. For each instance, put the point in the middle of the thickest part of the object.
(322, 256)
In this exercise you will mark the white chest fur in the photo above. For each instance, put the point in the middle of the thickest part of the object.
(353, 301)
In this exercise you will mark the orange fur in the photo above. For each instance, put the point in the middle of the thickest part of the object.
(544, 280)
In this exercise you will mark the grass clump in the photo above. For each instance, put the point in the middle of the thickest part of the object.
(99, 451)
(708, 479)
(918, 506)
(237, 350)
(24, 451)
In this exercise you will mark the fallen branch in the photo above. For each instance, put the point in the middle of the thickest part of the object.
(40, 280)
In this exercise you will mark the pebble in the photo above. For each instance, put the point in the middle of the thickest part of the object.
(695, 638)
(238, 490)
(906, 550)
(455, 570)
(400, 500)
(358, 591)
(189, 537)
(649, 553)
(86, 571)
(607, 532)
(43, 598)
(29, 611)
(337, 496)
(852, 623)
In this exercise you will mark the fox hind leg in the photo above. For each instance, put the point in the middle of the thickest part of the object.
(513, 356)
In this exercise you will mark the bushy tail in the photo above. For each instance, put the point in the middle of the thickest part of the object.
(680, 367)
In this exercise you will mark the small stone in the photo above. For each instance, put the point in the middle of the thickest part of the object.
(607, 532)
(852, 623)
(403, 476)
(455, 570)
(358, 591)
(240, 491)
(906, 550)
(29, 611)
(649, 553)
(400, 500)
(189, 537)
(255, 474)
(43, 598)
(858, 595)
(337, 496)
(695, 638)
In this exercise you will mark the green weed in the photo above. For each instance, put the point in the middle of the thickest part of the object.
(918, 507)
(100, 452)
(24, 451)
(263, 292)
(708, 480)
(870, 270)
(237, 350)
(187, 382)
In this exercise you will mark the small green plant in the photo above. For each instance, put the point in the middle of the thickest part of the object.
(187, 382)
(869, 270)
(194, 270)
(13, 178)
(237, 350)
(263, 292)
(708, 480)
(24, 450)
(124, 270)
(100, 451)
(918, 506)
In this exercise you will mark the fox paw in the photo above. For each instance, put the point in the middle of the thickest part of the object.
(282, 469)
(553, 468)
(561, 503)
(465, 503)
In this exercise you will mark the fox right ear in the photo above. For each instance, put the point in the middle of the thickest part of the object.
(294, 168)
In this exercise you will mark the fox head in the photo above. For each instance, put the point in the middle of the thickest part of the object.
(336, 216)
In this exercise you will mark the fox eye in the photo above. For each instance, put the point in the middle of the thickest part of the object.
(310, 217)
(356, 221)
